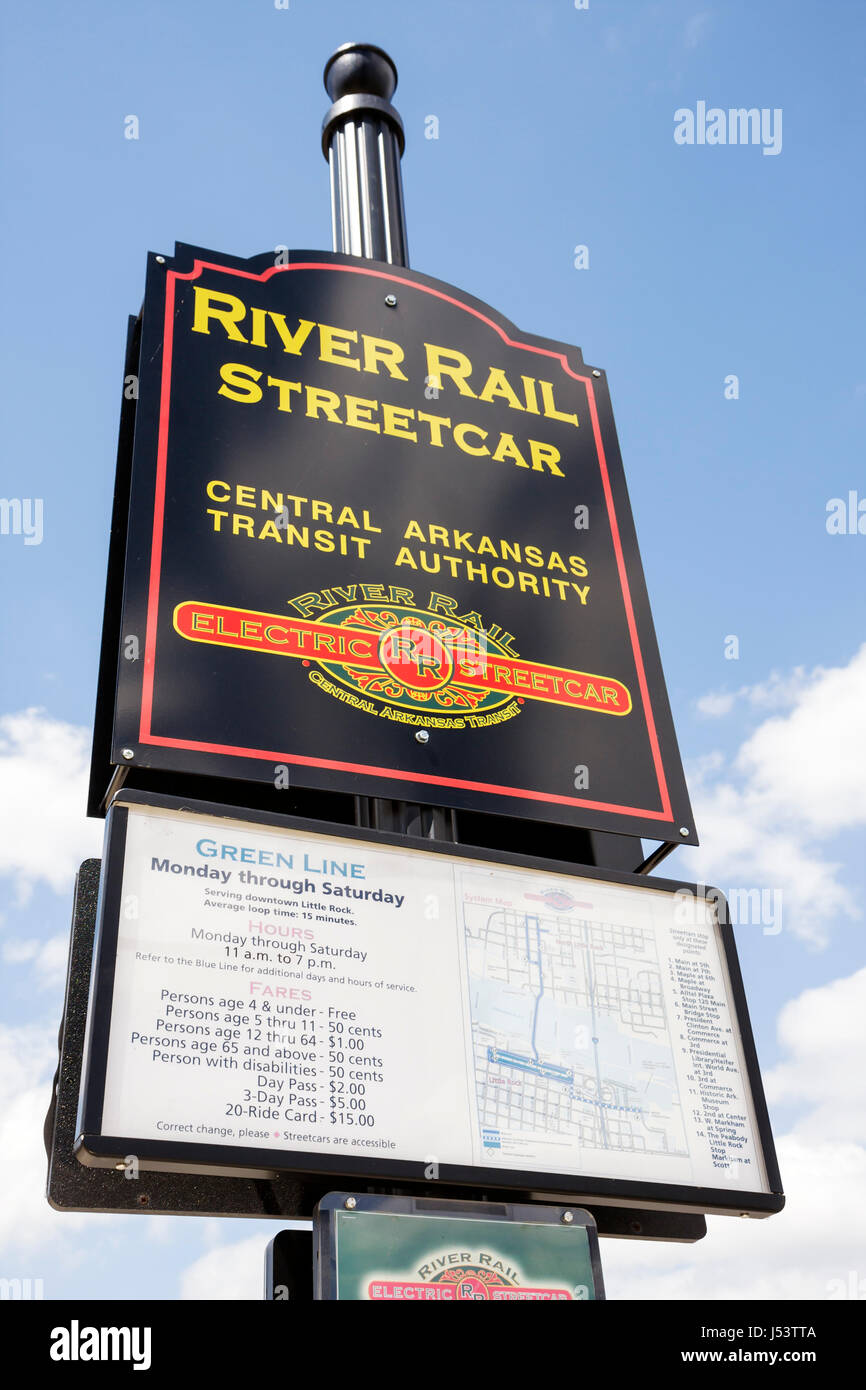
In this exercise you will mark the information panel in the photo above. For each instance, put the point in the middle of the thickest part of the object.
(268, 996)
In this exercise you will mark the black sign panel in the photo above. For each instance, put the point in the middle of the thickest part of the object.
(380, 542)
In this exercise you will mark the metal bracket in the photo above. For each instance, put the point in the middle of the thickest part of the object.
(653, 860)
(119, 776)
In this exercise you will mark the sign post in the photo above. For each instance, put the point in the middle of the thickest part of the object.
(381, 723)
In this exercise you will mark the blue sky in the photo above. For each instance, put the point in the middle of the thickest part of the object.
(555, 130)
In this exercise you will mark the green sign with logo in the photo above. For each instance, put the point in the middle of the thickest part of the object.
(394, 1253)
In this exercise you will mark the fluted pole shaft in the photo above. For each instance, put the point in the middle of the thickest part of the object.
(363, 141)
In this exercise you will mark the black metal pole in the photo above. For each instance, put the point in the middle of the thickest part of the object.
(363, 141)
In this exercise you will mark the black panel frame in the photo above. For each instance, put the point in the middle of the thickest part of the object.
(95, 1148)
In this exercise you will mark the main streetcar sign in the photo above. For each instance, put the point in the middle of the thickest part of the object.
(364, 506)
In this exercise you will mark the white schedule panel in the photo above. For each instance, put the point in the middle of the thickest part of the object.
(281, 998)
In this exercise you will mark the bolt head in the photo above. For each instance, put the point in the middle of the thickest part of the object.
(351, 1203)
(596, 372)
(160, 260)
(684, 830)
(567, 1218)
(128, 753)
(422, 735)
(391, 301)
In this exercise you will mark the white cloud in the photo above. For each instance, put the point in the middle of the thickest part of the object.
(49, 958)
(28, 1056)
(778, 691)
(717, 703)
(795, 781)
(824, 1031)
(44, 832)
(16, 952)
(229, 1271)
(35, 1240)
(234, 1271)
(809, 1250)
(814, 758)
(743, 848)
(51, 961)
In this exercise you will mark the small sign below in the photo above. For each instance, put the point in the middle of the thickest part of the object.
(410, 1250)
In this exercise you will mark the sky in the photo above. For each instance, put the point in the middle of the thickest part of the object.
(721, 288)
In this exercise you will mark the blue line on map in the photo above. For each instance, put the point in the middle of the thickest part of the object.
(536, 962)
(546, 1069)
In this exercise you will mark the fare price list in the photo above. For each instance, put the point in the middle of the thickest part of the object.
(317, 1067)
(279, 1070)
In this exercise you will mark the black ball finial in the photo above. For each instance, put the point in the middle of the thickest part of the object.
(360, 68)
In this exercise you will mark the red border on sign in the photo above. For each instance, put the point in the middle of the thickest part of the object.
(145, 734)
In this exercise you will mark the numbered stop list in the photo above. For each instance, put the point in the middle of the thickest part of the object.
(280, 991)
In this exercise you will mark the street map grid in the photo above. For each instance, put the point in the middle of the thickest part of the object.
(570, 1035)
